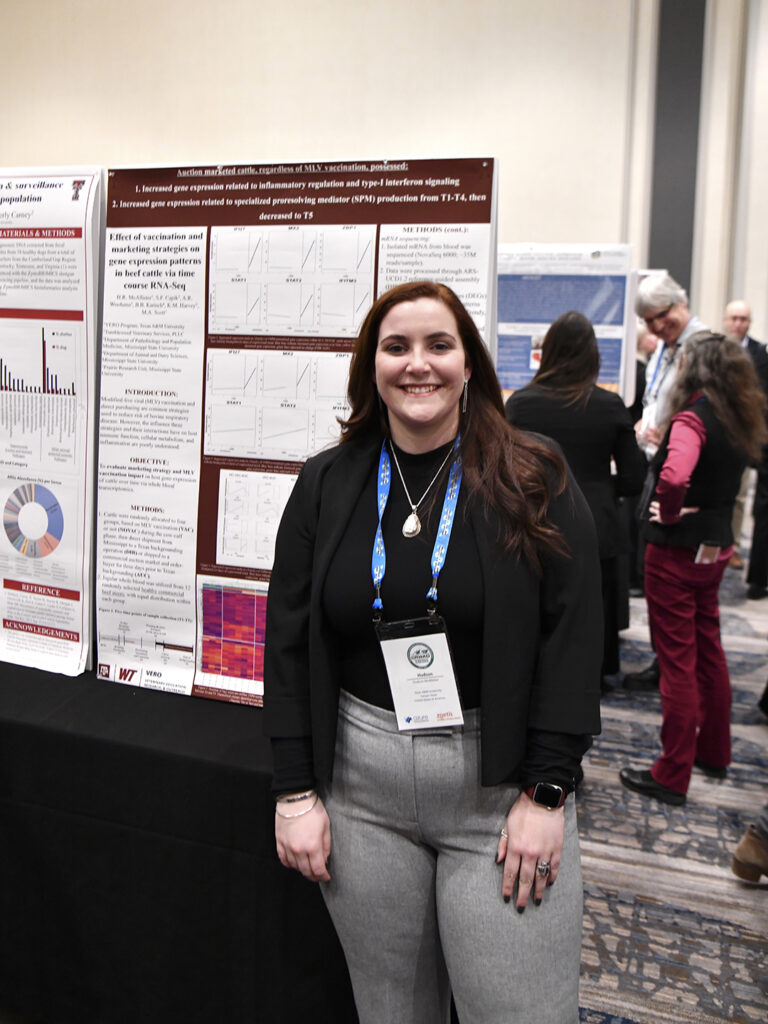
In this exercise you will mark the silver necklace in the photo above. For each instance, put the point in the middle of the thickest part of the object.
(412, 525)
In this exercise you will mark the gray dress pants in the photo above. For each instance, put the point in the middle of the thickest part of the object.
(415, 891)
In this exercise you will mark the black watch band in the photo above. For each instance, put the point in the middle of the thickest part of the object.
(547, 794)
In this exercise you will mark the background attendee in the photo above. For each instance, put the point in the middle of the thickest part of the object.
(594, 429)
(718, 424)
(646, 346)
(736, 324)
(409, 826)
(662, 304)
(644, 349)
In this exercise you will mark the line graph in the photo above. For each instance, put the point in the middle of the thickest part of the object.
(250, 507)
(255, 253)
(273, 405)
(291, 280)
(286, 377)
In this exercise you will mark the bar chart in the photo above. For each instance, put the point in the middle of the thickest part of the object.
(38, 358)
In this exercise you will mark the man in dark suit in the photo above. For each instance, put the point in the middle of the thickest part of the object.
(736, 324)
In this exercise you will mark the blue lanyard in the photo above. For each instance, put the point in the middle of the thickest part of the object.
(656, 369)
(439, 551)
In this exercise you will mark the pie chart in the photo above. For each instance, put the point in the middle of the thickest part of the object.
(33, 520)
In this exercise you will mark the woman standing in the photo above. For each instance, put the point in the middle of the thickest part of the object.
(718, 424)
(594, 429)
(426, 784)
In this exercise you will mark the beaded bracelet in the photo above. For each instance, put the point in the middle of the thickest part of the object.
(298, 814)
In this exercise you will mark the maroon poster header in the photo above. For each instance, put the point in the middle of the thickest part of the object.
(369, 192)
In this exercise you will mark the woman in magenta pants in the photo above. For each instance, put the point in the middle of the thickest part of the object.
(717, 426)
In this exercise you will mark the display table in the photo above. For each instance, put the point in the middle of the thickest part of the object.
(138, 877)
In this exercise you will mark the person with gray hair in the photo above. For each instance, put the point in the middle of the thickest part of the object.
(662, 304)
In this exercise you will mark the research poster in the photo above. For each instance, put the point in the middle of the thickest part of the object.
(539, 282)
(50, 233)
(232, 296)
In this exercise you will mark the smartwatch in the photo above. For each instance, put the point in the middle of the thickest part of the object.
(547, 794)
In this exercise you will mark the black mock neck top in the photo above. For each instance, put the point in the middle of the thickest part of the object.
(348, 592)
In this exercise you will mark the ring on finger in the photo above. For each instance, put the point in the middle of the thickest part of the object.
(542, 868)
(505, 833)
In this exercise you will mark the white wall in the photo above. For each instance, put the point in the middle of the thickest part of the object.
(560, 91)
(718, 158)
(543, 86)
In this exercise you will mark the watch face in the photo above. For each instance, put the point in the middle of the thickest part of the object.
(548, 794)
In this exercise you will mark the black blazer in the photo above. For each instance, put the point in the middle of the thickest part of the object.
(589, 435)
(712, 489)
(759, 356)
(758, 353)
(542, 637)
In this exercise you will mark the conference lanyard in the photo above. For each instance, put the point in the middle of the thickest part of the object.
(439, 551)
(669, 362)
(417, 654)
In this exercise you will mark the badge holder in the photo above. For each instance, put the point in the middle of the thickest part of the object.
(421, 673)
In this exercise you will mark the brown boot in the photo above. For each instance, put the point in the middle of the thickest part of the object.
(750, 858)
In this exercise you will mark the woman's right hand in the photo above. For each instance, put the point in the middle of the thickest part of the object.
(304, 842)
(652, 435)
(654, 513)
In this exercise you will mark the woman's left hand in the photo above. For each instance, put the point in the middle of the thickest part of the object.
(534, 836)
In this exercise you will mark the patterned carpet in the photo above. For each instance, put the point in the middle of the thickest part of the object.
(670, 935)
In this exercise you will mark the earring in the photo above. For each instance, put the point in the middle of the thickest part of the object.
(464, 395)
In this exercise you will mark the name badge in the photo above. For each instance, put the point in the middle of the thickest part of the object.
(420, 671)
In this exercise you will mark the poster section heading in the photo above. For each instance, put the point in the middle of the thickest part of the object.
(232, 299)
(375, 192)
(538, 283)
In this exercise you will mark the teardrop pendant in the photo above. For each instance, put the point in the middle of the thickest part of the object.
(412, 525)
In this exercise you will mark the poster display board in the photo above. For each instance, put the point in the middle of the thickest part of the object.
(539, 282)
(232, 296)
(50, 234)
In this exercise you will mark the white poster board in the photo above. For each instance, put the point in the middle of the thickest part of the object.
(50, 221)
(539, 282)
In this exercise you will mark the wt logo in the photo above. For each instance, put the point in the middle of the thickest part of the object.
(125, 675)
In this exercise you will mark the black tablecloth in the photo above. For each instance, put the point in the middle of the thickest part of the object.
(138, 878)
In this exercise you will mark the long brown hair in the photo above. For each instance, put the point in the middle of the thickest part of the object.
(570, 358)
(720, 369)
(512, 473)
